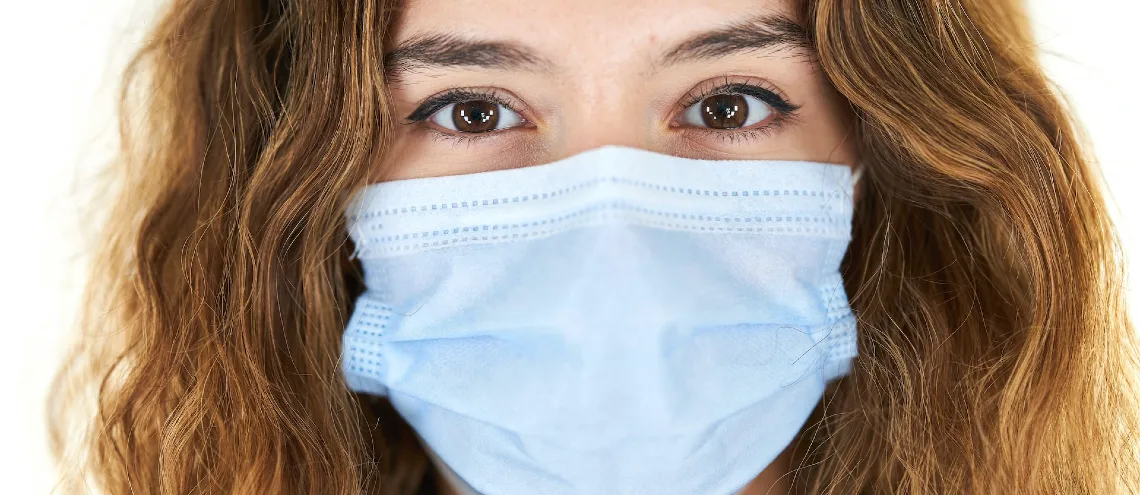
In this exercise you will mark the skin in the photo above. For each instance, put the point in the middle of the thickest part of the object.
(600, 73)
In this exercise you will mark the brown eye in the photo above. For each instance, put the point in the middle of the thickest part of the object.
(475, 116)
(727, 111)
(724, 111)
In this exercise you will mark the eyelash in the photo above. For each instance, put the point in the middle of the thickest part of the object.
(784, 110)
(436, 103)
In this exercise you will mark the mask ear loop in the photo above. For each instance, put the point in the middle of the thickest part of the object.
(857, 174)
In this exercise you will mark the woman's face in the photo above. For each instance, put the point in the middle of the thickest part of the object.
(482, 85)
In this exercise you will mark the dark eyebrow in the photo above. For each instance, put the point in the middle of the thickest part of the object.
(446, 50)
(439, 50)
(760, 32)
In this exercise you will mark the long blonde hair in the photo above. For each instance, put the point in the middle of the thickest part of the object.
(995, 351)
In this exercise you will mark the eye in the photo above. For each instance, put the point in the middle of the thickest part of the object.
(476, 116)
(727, 111)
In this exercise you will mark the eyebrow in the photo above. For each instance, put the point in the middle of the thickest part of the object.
(760, 32)
(446, 50)
(438, 50)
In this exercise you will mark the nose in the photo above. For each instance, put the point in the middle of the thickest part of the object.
(608, 134)
(606, 115)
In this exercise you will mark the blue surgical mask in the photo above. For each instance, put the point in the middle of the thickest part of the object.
(617, 322)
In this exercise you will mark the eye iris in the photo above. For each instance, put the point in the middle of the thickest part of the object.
(724, 111)
(475, 116)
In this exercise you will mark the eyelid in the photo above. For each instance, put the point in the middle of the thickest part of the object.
(438, 101)
(749, 85)
(784, 112)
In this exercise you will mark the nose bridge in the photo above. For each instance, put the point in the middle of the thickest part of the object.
(592, 136)
(607, 109)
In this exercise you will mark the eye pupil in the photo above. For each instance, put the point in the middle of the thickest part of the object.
(475, 116)
(727, 111)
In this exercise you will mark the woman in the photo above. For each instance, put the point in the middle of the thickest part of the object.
(266, 317)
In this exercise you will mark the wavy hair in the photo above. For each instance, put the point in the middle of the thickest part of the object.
(996, 354)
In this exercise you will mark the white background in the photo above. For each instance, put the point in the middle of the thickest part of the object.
(58, 63)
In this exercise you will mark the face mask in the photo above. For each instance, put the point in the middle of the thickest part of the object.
(618, 322)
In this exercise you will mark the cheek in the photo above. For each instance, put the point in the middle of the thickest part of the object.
(414, 154)
(408, 157)
(836, 133)
(394, 162)
(828, 127)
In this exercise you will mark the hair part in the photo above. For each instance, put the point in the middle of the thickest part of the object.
(995, 350)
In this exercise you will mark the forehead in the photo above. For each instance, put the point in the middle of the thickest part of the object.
(570, 32)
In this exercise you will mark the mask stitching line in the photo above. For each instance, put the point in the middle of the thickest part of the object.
(688, 191)
(789, 224)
